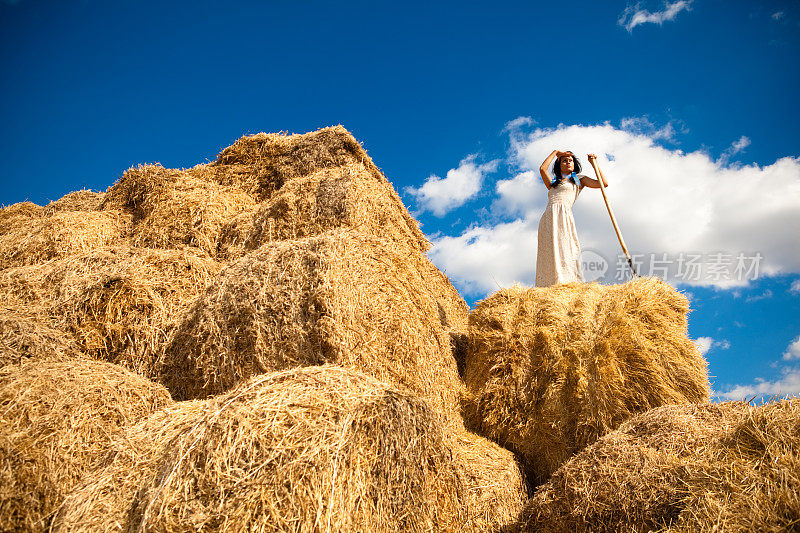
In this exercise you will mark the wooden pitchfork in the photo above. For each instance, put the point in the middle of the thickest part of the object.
(593, 160)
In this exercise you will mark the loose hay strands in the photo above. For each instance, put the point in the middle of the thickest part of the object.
(312, 449)
(26, 335)
(120, 303)
(262, 163)
(176, 208)
(714, 467)
(496, 491)
(14, 215)
(61, 233)
(56, 421)
(341, 297)
(347, 196)
(83, 200)
(549, 370)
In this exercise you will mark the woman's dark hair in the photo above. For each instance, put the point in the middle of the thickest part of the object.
(557, 169)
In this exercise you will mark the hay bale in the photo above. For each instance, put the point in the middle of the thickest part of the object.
(549, 370)
(346, 196)
(176, 208)
(312, 449)
(59, 233)
(341, 297)
(260, 164)
(14, 215)
(83, 200)
(56, 421)
(712, 467)
(496, 491)
(119, 303)
(25, 334)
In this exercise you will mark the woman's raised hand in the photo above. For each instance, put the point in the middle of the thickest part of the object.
(591, 156)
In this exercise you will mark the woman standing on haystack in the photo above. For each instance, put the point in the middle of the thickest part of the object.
(557, 257)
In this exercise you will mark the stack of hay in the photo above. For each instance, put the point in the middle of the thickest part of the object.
(550, 370)
(317, 448)
(712, 467)
(287, 251)
(57, 419)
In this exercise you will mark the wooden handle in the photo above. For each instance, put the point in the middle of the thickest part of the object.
(599, 174)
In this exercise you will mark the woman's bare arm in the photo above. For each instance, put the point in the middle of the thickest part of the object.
(591, 182)
(543, 169)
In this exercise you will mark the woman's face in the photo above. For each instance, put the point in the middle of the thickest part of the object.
(567, 165)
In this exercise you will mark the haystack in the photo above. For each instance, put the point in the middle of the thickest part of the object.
(14, 215)
(25, 334)
(724, 467)
(549, 370)
(351, 196)
(56, 421)
(59, 233)
(82, 200)
(496, 491)
(341, 297)
(176, 208)
(120, 303)
(261, 164)
(312, 449)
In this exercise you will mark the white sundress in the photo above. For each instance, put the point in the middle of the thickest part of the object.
(559, 248)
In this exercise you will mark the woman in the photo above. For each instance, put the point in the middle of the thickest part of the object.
(557, 258)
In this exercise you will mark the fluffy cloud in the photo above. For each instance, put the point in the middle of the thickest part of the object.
(685, 217)
(793, 350)
(704, 344)
(484, 259)
(441, 195)
(795, 288)
(788, 384)
(633, 16)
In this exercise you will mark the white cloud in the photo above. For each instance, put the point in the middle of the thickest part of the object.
(483, 259)
(778, 15)
(643, 126)
(665, 202)
(441, 195)
(518, 123)
(763, 296)
(788, 384)
(795, 288)
(704, 344)
(633, 16)
(735, 148)
(793, 350)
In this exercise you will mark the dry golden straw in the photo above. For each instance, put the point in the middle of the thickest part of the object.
(311, 449)
(119, 303)
(176, 208)
(58, 234)
(726, 467)
(351, 195)
(56, 422)
(25, 334)
(549, 370)
(340, 297)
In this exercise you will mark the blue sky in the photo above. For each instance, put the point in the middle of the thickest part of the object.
(691, 106)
